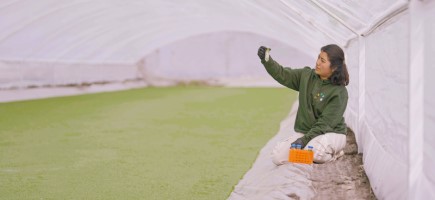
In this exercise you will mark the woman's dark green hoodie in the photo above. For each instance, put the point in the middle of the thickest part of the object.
(321, 103)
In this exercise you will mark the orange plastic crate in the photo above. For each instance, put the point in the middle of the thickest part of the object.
(301, 156)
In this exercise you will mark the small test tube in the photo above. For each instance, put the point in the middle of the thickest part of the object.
(310, 148)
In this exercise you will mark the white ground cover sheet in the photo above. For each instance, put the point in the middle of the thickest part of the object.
(265, 180)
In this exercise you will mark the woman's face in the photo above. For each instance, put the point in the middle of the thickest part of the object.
(323, 66)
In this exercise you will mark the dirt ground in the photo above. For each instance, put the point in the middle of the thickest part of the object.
(344, 178)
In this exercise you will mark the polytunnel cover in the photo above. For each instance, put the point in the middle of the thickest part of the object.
(387, 44)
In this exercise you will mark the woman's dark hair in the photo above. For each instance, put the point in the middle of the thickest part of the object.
(339, 76)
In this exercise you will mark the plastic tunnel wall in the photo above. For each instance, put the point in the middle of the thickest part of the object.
(388, 45)
(390, 103)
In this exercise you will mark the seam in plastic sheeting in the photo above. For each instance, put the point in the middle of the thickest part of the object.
(352, 62)
(416, 100)
(361, 90)
(317, 28)
(390, 13)
(335, 17)
(428, 179)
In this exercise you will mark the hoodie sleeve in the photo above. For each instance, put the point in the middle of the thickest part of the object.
(284, 75)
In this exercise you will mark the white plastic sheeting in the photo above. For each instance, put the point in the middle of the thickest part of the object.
(215, 56)
(422, 104)
(208, 57)
(121, 33)
(386, 107)
(391, 104)
(388, 45)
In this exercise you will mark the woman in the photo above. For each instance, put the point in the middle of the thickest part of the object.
(322, 102)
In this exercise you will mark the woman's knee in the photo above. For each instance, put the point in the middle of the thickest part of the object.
(327, 147)
(277, 160)
(279, 155)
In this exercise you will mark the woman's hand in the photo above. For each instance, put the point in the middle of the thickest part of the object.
(299, 142)
(263, 53)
